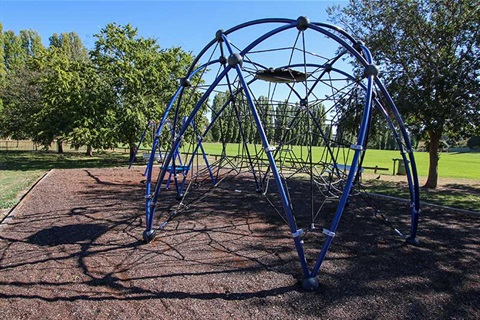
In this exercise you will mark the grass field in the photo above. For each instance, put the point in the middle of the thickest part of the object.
(20, 169)
(12, 183)
(451, 165)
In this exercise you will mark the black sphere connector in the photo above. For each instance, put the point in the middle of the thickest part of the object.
(149, 235)
(234, 59)
(328, 67)
(218, 35)
(185, 82)
(222, 60)
(412, 241)
(370, 70)
(358, 46)
(310, 284)
(302, 23)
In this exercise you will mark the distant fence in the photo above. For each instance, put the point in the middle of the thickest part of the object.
(28, 145)
(6, 145)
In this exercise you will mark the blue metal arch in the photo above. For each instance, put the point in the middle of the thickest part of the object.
(362, 55)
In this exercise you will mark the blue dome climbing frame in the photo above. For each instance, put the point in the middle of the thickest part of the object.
(303, 97)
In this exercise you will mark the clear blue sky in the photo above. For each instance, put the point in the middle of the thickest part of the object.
(189, 24)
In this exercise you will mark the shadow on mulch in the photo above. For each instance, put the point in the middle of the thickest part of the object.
(70, 234)
(227, 254)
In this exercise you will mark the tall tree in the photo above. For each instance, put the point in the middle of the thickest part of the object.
(21, 102)
(71, 45)
(62, 93)
(94, 116)
(3, 70)
(142, 77)
(218, 101)
(19, 83)
(429, 53)
(31, 43)
(15, 56)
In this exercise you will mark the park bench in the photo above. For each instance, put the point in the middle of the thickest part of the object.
(344, 167)
(375, 169)
(157, 156)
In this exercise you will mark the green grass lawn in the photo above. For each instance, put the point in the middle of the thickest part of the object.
(13, 183)
(451, 165)
(20, 169)
(464, 196)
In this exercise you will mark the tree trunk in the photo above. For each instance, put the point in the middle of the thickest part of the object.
(59, 146)
(433, 154)
(89, 152)
(132, 151)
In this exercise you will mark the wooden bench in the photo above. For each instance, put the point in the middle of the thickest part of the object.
(375, 169)
(146, 157)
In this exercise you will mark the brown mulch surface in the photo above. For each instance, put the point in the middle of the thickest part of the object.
(73, 249)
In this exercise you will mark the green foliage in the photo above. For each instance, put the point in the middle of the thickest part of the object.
(460, 196)
(31, 43)
(21, 102)
(141, 77)
(3, 70)
(19, 83)
(280, 121)
(62, 94)
(14, 56)
(70, 45)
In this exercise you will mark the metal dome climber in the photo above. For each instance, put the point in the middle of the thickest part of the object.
(302, 119)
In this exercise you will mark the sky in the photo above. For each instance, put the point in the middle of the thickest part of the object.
(189, 24)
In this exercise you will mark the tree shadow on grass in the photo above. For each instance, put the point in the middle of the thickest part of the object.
(47, 160)
(461, 196)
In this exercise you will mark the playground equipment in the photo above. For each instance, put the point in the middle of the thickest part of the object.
(292, 103)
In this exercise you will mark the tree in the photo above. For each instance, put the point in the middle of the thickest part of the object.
(62, 89)
(71, 45)
(430, 59)
(318, 126)
(141, 77)
(14, 56)
(64, 85)
(3, 70)
(218, 101)
(31, 43)
(20, 83)
(21, 101)
(94, 118)
(76, 107)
